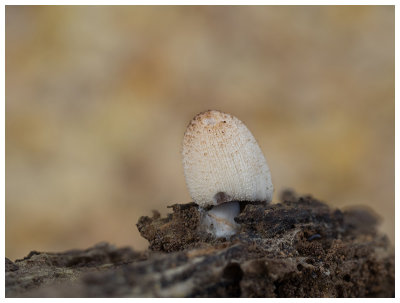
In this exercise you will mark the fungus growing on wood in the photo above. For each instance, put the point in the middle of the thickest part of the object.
(223, 165)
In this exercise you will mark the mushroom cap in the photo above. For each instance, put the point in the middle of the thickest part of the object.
(222, 161)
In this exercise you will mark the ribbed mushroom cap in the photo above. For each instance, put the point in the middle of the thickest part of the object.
(223, 162)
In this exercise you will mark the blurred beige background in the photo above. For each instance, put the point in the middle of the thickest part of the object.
(98, 99)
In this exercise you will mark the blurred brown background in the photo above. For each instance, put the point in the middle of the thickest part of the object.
(98, 99)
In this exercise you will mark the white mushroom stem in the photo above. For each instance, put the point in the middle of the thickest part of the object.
(219, 220)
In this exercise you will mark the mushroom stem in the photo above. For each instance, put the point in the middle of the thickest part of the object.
(219, 220)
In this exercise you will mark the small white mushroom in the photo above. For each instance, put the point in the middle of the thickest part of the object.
(223, 163)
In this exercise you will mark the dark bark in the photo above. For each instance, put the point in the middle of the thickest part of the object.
(296, 248)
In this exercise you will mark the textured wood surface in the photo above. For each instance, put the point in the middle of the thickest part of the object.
(297, 248)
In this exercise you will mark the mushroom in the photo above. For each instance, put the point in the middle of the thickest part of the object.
(223, 166)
